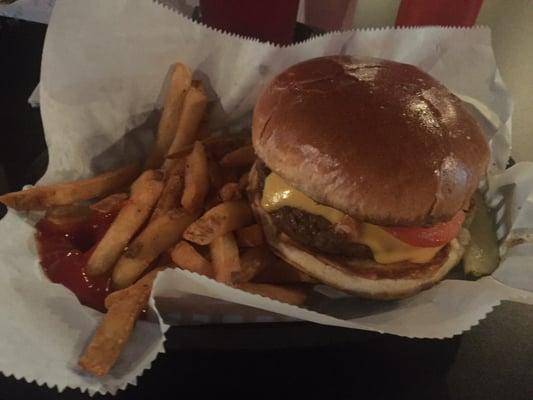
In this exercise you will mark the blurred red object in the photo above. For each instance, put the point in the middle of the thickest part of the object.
(438, 12)
(271, 21)
(330, 15)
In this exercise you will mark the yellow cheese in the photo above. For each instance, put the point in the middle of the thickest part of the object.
(386, 248)
(278, 193)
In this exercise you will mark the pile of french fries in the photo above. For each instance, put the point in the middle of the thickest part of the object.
(185, 207)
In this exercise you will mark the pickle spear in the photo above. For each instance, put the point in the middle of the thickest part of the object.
(481, 255)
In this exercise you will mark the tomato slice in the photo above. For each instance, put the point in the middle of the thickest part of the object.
(433, 236)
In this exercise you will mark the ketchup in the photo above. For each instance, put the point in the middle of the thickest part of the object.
(64, 250)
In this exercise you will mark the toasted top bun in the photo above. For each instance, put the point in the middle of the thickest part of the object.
(381, 141)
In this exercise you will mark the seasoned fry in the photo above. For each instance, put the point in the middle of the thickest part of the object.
(170, 196)
(185, 256)
(221, 219)
(203, 131)
(111, 203)
(230, 192)
(253, 261)
(216, 175)
(222, 144)
(170, 117)
(218, 145)
(157, 237)
(481, 254)
(242, 157)
(250, 236)
(67, 214)
(178, 167)
(196, 179)
(193, 111)
(243, 181)
(286, 294)
(43, 197)
(119, 295)
(144, 193)
(124, 307)
(225, 257)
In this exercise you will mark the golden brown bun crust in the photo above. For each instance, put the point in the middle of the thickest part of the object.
(361, 277)
(381, 141)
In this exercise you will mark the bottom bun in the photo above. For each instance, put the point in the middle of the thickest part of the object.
(361, 277)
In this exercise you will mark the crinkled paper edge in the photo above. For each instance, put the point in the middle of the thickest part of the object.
(480, 315)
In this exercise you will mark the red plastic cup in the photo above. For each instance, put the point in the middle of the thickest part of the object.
(438, 12)
(270, 21)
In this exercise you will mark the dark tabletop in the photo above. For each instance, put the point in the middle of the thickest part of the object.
(492, 361)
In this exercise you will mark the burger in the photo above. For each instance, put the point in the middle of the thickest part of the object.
(365, 170)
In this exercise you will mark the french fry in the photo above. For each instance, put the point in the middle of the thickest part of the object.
(219, 220)
(193, 111)
(44, 197)
(217, 145)
(185, 256)
(119, 295)
(111, 203)
(203, 131)
(158, 236)
(253, 261)
(112, 334)
(170, 117)
(70, 214)
(178, 167)
(216, 175)
(243, 181)
(170, 196)
(196, 179)
(225, 257)
(144, 193)
(279, 272)
(230, 192)
(183, 152)
(242, 157)
(250, 236)
(222, 144)
(285, 294)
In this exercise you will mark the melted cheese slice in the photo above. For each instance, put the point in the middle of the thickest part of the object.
(386, 248)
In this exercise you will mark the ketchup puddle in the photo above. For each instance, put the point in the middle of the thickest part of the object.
(64, 250)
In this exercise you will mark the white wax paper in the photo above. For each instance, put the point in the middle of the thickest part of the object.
(104, 68)
(30, 10)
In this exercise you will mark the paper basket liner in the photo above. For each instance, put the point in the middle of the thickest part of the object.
(103, 73)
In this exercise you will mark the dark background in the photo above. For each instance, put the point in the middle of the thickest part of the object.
(492, 361)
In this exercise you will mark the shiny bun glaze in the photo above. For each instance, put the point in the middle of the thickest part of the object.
(381, 141)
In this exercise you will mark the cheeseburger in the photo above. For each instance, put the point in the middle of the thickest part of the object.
(365, 170)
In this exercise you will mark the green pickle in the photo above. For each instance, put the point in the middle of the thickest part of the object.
(481, 255)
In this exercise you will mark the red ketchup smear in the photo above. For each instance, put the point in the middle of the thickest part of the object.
(64, 250)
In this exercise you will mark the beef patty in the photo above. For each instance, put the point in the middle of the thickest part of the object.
(312, 230)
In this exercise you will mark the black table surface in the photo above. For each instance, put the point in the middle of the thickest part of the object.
(494, 360)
